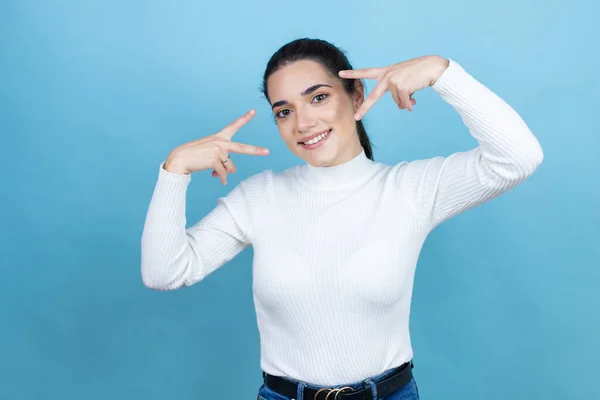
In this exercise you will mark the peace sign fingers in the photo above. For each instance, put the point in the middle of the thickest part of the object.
(378, 91)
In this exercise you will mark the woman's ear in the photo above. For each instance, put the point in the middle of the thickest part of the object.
(358, 97)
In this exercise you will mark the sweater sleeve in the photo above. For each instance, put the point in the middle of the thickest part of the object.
(507, 154)
(172, 255)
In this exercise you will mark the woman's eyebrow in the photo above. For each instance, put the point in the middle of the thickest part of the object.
(313, 88)
(304, 93)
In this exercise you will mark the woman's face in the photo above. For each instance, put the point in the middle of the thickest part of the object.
(314, 114)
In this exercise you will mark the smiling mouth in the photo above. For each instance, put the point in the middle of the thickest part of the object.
(316, 140)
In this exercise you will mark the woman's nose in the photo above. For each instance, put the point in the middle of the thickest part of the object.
(305, 120)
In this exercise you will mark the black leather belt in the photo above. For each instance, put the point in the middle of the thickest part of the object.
(399, 377)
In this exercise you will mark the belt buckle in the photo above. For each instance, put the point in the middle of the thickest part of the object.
(332, 391)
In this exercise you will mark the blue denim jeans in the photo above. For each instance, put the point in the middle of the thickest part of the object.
(407, 392)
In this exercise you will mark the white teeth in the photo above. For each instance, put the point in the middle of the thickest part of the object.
(317, 139)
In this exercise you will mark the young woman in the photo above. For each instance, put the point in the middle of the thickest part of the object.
(336, 239)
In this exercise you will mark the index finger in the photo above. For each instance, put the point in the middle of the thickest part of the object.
(368, 73)
(232, 128)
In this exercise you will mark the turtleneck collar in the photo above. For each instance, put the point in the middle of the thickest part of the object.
(346, 174)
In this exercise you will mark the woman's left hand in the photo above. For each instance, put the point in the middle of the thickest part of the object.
(402, 80)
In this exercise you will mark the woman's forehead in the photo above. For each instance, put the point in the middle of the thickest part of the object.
(293, 79)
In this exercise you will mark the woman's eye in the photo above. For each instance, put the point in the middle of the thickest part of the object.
(320, 97)
(282, 113)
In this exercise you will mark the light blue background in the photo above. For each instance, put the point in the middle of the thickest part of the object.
(93, 96)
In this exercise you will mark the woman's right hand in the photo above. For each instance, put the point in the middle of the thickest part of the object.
(212, 152)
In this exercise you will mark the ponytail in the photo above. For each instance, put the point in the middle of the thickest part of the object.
(365, 142)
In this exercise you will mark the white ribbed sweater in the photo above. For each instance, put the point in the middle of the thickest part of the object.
(335, 248)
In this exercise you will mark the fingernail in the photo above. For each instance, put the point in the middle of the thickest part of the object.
(357, 116)
(266, 151)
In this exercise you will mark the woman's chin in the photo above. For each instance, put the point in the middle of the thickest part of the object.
(319, 157)
(328, 154)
